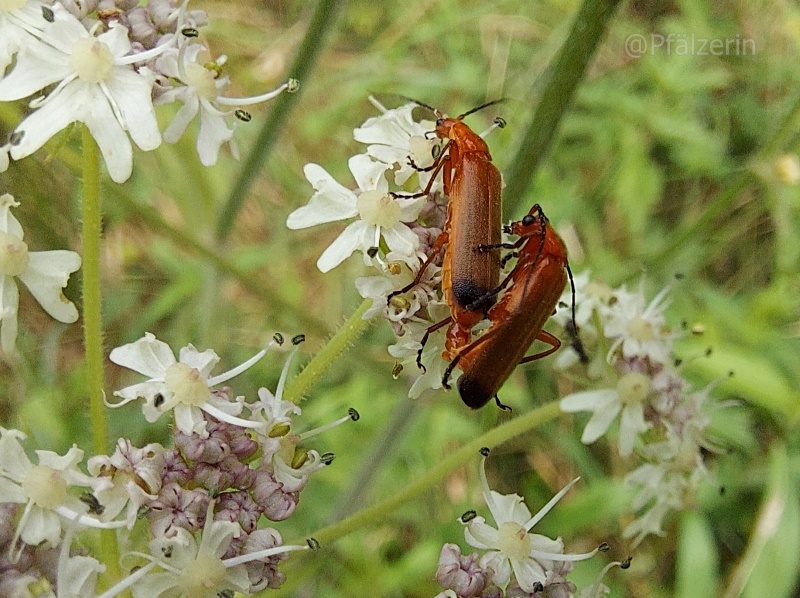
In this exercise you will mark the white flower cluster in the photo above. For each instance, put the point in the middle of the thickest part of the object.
(105, 64)
(661, 417)
(515, 561)
(394, 227)
(202, 500)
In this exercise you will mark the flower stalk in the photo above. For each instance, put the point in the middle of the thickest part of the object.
(491, 439)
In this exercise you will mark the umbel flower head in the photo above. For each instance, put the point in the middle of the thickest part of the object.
(45, 273)
(182, 385)
(513, 551)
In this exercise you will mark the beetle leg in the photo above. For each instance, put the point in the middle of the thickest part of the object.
(550, 340)
(425, 337)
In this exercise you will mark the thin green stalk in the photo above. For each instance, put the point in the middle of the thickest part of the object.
(436, 475)
(322, 361)
(320, 23)
(92, 320)
(560, 80)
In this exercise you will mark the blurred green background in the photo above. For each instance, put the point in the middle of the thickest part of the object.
(671, 162)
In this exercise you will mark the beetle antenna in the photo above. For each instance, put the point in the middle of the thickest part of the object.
(423, 104)
(481, 107)
(577, 344)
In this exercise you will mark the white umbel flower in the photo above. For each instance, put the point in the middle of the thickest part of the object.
(95, 84)
(45, 273)
(379, 214)
(183, 385)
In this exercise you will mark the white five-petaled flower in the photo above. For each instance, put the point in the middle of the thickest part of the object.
(183, 385)
(45, 273)
(201, 88)
(395, 138)
(192, 569)
(511, 547)
(639, 329)
(44, 490)
(96, 84)
(629, 397)
(379, 214)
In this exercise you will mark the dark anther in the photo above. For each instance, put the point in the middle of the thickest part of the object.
(158, 400)
(709, 351)
(484, 451)
(722, 490)
(91, 501)
(48, 14)
(436, 151)
(538, 587)
(354, 415)
(372, 251)
(731, 374)
(327, 458)
(16, 137)
(678, 361)
(500, 122)
(396, 370)
(190, 32)
(226, 593)
(604, 547)
(167, 551)
(468, 516)
(299, 338)
(313, 544)
(243, 115)
(626, 563)
(278, 338)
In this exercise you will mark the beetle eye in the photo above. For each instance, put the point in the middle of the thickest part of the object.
(439, 122)
(528, 220)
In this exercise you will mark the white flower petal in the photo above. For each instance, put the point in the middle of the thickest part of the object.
(632, 423)
(588, 400)
(148, 356)
(357, 235)
(204, 361)
(479, 534)
(600, 421)
(528, 572)
(401, 239)
(48, 272)
(214, 131)
(182, 118)
(368, 173)
(8, 222)
(131, 92)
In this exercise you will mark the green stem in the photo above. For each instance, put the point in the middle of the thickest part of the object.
(322, 361)
(156, 222)
(436, 475)
(560, 80)
(321, 21)
(92, 320)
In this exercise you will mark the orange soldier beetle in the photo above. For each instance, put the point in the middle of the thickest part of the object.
(517, 319)
(472, 184)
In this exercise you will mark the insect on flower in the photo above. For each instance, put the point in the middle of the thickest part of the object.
(473, 185)
(516, 320)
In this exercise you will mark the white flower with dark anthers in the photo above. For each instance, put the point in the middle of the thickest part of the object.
(638, 329)
(406, 350)
(96, 85)
(135, 475)
(398, 271)
(189, 568)
(44, 490)
(183, 385)
(511, 546)
(45, 273)
(379, 214)
(200, 88)
(20, 22)
(395, 138)
(628, 398)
